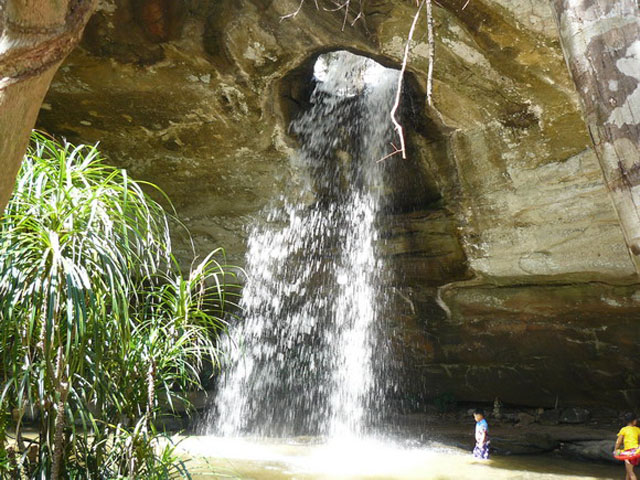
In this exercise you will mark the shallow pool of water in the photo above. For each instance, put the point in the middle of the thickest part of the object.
(355, 459)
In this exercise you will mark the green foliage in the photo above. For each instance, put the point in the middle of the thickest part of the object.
(97, 322)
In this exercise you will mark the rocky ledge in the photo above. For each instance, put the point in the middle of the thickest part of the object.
(574, 433)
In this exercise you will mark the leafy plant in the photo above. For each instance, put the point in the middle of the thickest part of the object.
(97, 322)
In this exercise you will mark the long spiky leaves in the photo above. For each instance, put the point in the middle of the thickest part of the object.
(94, 311)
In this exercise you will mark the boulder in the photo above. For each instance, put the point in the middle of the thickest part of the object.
(593, 450)
(525, 419)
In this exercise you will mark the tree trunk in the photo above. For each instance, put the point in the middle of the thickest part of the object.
(58, 436)
(35, 36)
(601, 42)
(62, 389)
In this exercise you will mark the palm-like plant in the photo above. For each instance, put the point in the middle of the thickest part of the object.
(95, 319)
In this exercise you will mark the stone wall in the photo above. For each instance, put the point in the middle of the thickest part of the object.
(514, 282)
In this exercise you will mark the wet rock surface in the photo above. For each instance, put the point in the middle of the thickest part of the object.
(592, 440)
(511, 275)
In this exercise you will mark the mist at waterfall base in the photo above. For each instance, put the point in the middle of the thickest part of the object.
(370, 459)
(310, 355)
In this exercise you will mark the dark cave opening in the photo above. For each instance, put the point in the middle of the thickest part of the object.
(410, 183)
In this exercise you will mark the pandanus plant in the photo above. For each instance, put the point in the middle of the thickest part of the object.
(97, 323)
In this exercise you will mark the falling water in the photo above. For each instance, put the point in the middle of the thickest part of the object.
(307, 358)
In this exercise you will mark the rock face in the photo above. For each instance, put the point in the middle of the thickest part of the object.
(513, 277)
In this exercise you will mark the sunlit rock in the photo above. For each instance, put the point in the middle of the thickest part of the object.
(513, 279)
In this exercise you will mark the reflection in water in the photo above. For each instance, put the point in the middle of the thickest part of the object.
(306, 459)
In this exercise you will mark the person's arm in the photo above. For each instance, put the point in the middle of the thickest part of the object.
(619, 441)
(483, 438)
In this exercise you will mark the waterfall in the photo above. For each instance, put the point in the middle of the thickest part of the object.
(308, 355)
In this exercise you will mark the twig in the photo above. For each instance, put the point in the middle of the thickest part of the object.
(405, 60)
(465, 4)
(339, 6)
(360, 14)
(432, 51)
(295, 14)
(396, 150)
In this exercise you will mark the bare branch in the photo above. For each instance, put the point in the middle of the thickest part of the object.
(465, 5)
(405, 60)
(295, 14)
(395, 151)
(432, 51)
(347, 4)
(360, 14)
(339, 6)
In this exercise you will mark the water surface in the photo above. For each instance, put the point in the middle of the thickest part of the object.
(357, 459)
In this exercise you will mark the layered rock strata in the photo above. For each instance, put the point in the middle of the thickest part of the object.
(512, 277)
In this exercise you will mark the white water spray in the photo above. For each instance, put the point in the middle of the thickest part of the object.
(309, 351)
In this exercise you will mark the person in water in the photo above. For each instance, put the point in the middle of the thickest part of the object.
(481, 450)
(629, 437)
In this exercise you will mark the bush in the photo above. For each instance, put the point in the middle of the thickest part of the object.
(97, 322)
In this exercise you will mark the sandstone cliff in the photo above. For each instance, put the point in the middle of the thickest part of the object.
(513, 277)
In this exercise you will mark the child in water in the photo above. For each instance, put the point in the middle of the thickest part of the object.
(630, 437)
(481, 450)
